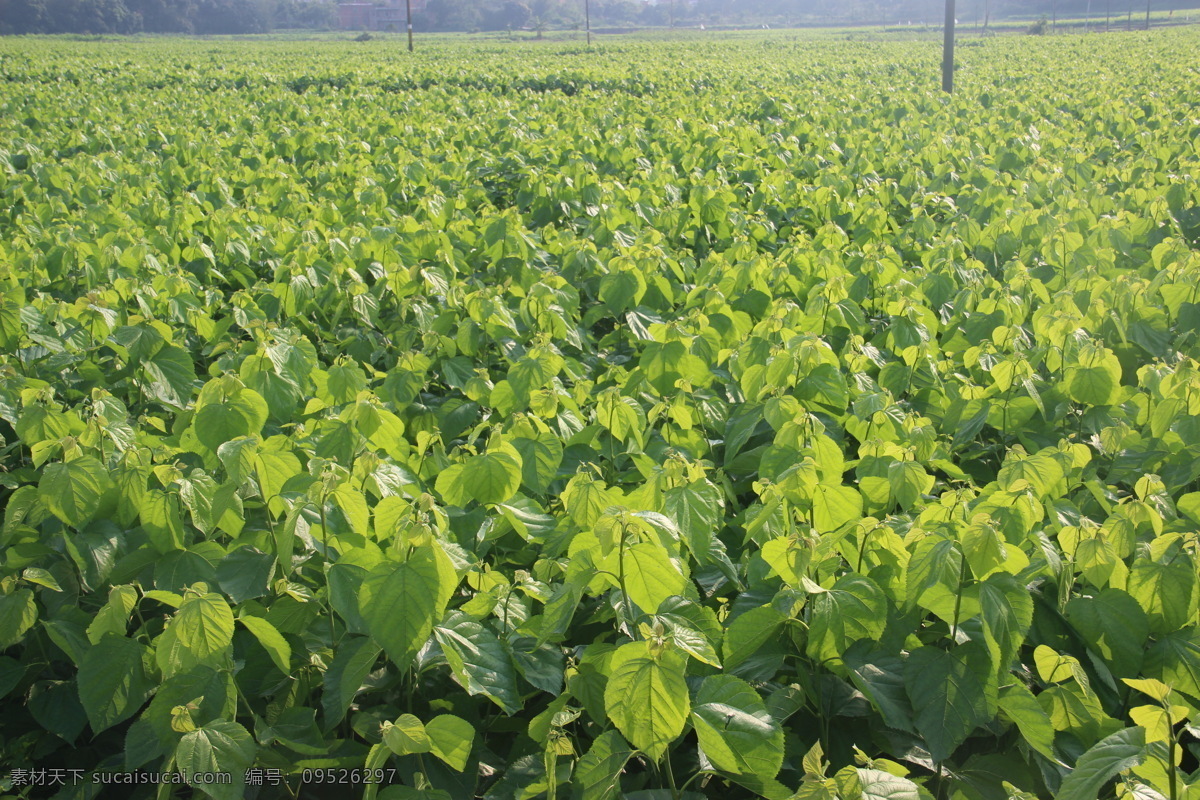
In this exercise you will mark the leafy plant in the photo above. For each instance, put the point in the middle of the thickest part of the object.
(602, 424)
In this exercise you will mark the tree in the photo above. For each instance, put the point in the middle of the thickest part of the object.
(22, 16)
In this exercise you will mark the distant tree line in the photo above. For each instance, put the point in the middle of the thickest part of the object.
(164, 16)
(259, 16)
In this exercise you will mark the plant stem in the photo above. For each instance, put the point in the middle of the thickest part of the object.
(325, 569)
(626, 608)
(675, 790)
(1172, 778)
(962, 579)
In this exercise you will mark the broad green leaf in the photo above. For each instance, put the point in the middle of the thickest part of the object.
(159, 514)
(245, 573)
(835, 506)
(854, 609)
(492, 477)
(1020, 706)
(647, 697)
(1166, 592)
(1116, 753)
(753, 648)
(220, 746)
(598, 773)
(540, 459)
(650, 575)
(876, 784)
(479, 661)
(204, 624)
(271, 640)
(949, 695)
(735, 730)
(18, 613)
(450, 739)
(406, 736)
(421, 586)
(113, 616)
(1175, 660)
(112, 681)
(1115, 626)
(242, 412)
(1096, 379)
(76, 491)
(41, 577)
(352, 661)
(697, 510)
(170, 376)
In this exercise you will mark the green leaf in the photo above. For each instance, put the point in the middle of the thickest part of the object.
(647, 697)
(220, 746)
(1115, 626)
(908, 481)
(835, 506)
(752, 646)
(41, 577)
(1122, 750)
(405, 736)
(650, 575)
(622, 289)
(169, 376)
(271, 640)
(697, 510)
(450, 739)
(76, 491)
(735, 730)
(159, 514)
(421, 586)
(875, 784)
(493, 477)
(854, 609)
(242, 412)
(204, 624)
(880, 677)
(1096, 379)
(1019, 705)
(112, 681)
(245, 573)
(948, 694)
(1175, 660)
(598, 773)
(479, 661)
(1166, 592)
(352, 662)
(18, 613)
(1007, 612)
(113, 616)
(540, 459)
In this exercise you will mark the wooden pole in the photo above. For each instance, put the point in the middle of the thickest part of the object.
(587, 17)
(948, 49)
(408, 7)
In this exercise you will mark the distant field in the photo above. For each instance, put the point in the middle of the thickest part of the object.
(694, 415)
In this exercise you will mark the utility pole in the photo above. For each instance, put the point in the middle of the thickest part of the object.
(1107, 15)
(408, 7)
(587, 18)
(1147, 14)
(948, 49)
